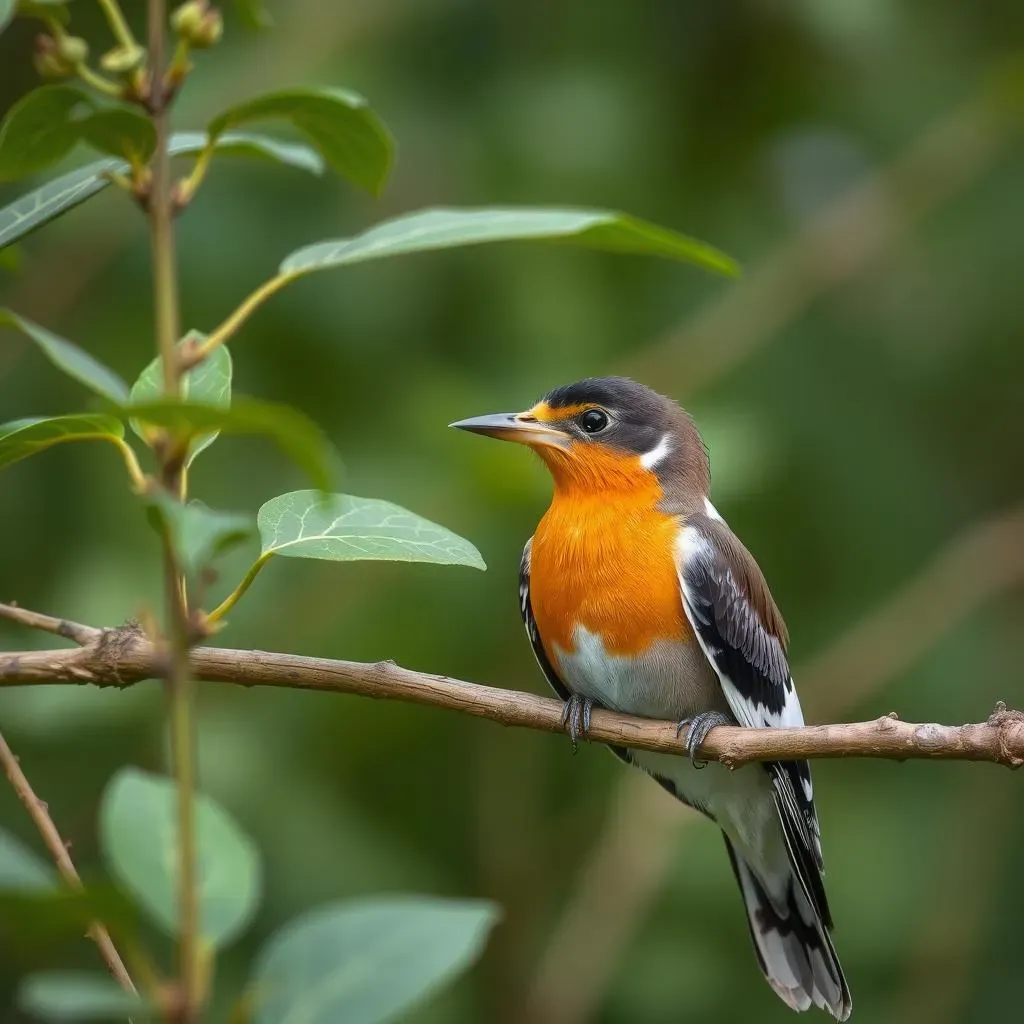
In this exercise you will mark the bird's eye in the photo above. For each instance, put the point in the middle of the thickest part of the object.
(593, 421)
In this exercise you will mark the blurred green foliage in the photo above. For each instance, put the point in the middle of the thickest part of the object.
(870, 414)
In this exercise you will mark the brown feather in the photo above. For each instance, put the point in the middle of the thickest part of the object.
(747, 574)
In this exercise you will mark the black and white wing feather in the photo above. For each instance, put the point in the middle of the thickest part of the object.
(742, 634)
(731, 612)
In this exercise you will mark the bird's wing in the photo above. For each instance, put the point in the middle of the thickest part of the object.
(742, 634)
(531, 626)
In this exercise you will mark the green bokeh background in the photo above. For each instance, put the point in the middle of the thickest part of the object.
(860, 392)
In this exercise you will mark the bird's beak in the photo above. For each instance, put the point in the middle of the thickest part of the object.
(516, 426)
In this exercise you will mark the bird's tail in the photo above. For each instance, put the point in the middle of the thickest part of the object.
(792, 942)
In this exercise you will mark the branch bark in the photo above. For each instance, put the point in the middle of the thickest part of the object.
(40, 816)
(125, 656)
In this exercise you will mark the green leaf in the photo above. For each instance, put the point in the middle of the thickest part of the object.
(77, 996)
(348, 134)
(292, 154)
(56, 197)
(119, 131)
(442, 229)
(35, 209)
(21, 438)
(367, 961)
(343, 528)
(39, 130)
(199, 533)
(253, 14)
(70, 358)
(292, 431)
(6, 13)
(209, 382)
(21, 869)
(139, 838)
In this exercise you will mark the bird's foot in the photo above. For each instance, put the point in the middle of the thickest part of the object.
(700, 725)
(576, 717)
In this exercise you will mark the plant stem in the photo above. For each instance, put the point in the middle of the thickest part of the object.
(131, 462)
(98, 81)
(188, 188)
(232, 599)
(241, 314)
(84, 72)
(122, 33)
(55, 844)
(179, 683)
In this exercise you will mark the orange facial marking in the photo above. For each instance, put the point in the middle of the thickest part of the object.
(546, 414)
(603, 555)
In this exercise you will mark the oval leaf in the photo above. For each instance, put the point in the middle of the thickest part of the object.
(31, 211)
(39, 130)
(70, 358)
(139, 837)
(292, 154)
(22, 438)
(6, 13)
(21, 869)
(198, 533)
(292, 431)
(56, 197)
(340, 124)
(78, 996)
(119, 131)
(442, 229)
(367, 961)
(209, 382)
(343, 528)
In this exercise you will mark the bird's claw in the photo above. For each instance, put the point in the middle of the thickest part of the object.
(700, 725)
(576, 717)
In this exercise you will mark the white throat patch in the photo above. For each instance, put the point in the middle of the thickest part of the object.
(711, 512)
(650, 459)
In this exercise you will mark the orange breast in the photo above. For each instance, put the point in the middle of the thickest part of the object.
(605, 561)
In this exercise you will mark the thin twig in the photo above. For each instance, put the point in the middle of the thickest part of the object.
(248, 306)
(125, 656)
(58, 850)
(118, 25)
(76, 631)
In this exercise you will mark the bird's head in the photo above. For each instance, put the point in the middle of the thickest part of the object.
(608, 434)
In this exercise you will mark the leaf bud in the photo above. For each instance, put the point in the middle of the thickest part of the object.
(50, 64)
(74, 49)
(198, 24)
(122, 60)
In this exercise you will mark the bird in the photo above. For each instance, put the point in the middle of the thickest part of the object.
(637, 597)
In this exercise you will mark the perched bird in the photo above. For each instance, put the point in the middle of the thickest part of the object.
(637, 597)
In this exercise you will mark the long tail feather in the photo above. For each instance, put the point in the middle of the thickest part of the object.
(792, 943)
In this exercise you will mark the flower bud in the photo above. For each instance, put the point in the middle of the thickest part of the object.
(198, 24)
(49, 62)
(74, 49)
(122, 60)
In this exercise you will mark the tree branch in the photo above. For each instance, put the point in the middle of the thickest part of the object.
(40, 815)
(124, 656)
